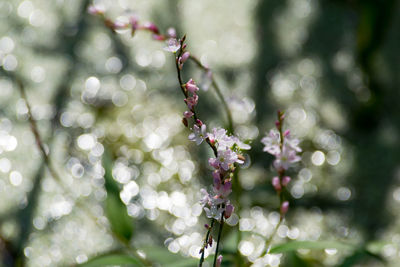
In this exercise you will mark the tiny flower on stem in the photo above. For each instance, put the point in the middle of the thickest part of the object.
(219, 261)
(191, 86)
(199, 133)
(284, 207)
(172, 45)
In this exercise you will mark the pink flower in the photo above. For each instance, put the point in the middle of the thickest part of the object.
(225, 159)
(191, 86)
(172, 45)
(191, 102)
(222, 190)
(286, 158)
(188, 114)
(272, 142)
(198, 135)
(292, 143)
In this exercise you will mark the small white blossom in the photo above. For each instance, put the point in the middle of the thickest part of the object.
(199, 134)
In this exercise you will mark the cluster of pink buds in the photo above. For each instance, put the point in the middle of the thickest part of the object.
(284, 148)
(133, 24)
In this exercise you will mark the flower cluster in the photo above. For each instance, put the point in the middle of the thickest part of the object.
(285, 149)
(133, 25)
(228, 149)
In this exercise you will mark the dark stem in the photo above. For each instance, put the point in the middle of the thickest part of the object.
(221, 224)
(205, 242)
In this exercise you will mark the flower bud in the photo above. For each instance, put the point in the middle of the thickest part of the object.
(210, 240)
(184, 57)
(171, 32)
(228, 211)
(95, 10)
(219, 260)
(284, 207)
(188, 114)
(286, 133)
(190, 85)
(151, 27)
(285, 180)
(207, 226)
(276, 183)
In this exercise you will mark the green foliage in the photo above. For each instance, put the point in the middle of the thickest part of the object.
(295, 245)
(121, 223)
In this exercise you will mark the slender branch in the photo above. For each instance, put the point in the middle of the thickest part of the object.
(219, 93)
(221, 225)
(54, 173)
(206, 242)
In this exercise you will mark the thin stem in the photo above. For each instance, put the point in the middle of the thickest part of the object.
(219, 93)
(54, 173)
(206, 242)
(221, 225)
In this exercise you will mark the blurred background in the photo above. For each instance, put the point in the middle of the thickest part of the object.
(124, 175)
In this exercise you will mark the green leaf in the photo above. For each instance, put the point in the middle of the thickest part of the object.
(295, 245)
(115, 209)
(112, 260)
(167, 259)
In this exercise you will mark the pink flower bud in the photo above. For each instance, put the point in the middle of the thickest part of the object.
(184, 57)
(277, 124)
(188, 114)
(190, 85)
(95, 10)
(285, 180)
(276, 183)
(228, 211)
(284, 207)
(286, 133)
(199, 122)
(210, 240)
(207, 226)
(184, 46)
(171, 32)
(219, 260)
(119, 25)
(151, 27)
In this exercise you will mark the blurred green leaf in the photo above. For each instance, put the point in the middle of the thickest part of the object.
(295, 245)
(111, 260)
(168, 259)
(121, 223)
(292, 259)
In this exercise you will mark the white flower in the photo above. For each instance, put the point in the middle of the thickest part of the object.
(172, 45)
(214, 212)
(272, 142)
(286, 158)
(198, 135)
